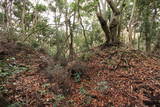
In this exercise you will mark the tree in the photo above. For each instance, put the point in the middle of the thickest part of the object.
(112, 29)
(148, 17)
(131, 23)
(70, 27)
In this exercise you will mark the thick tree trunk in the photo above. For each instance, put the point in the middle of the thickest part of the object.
(104, 27)
(112, 29)
(103, 6)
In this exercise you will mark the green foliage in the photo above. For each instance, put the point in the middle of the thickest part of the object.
(90, 6)
(46, 85)
(60, 4)
(74, 6)
(60, 97)
(42, 92)
(35, 44)
(17, 104)
(149, 24)
(41, 24)
(82, 90)
(19, 5)
(50, 32)
(4, 70)
(40, 8)
(87, 99)
(29, 17)
(2, 17)
(102, 86)
(86, 56)
(77, 76)
(7, 69)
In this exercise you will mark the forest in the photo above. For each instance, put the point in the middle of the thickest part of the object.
(79, 53)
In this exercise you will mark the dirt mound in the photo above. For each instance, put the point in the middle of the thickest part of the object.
(120, 77)
(113, 76)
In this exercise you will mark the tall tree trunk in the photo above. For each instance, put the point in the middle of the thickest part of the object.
(147, 30)
(130, 28)
(154, 32)
(105, 28)
(6, 17)
(112, 30)
(71, 49)
(114, 26)
(115, 21)
(157, 46)
(71, 27)
(66, 22)
(139, 38)
(81, 23)
(103, 5)
(23, 19)
(58, 40)
(156, 49)
(10, 19)
(148, 42)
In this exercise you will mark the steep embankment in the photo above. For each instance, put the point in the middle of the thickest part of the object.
(112, 77)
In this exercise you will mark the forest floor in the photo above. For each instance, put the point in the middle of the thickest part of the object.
(111, 77)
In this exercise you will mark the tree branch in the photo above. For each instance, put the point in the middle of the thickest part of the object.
(113, 7)
(104, 27)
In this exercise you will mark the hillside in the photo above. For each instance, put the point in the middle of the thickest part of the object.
(114, 76)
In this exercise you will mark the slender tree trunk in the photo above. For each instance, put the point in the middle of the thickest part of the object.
(6, 18)
(10, 29)
(157, 46)
(58, 47)
(71, 27)
(23, 20)
(71, 49)
(148, 42)
(80, 19)
(130, 28)
(154, 32)
(139, 40)
(119, 28)
(66, 21)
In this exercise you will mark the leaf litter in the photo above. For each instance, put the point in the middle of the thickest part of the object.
(116, 77)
